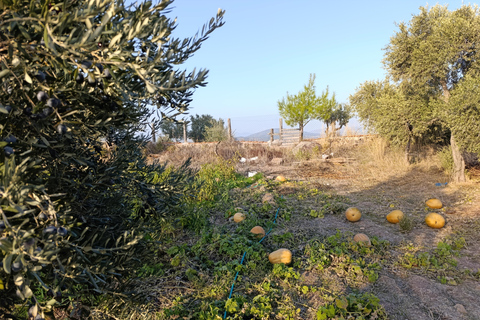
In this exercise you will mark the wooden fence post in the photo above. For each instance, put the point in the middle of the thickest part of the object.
(271, 135)
(280, 129)
(184, 132)
(229, 129)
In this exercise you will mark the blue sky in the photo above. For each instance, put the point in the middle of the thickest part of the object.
(268, 48)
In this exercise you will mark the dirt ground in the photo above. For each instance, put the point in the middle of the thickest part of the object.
(378, 181)
(405, 294)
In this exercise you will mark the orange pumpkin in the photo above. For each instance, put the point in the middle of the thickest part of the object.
(258, 231)
(353, 214)
(239, 217)
(281, 178)
(434, 220)
(362, 238)
(434, 204)
(395, 216)
(280, 256)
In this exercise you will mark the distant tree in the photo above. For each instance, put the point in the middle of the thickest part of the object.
(437, 52)
(335, 115)
(172, 129)
(303, 107)
(339, 118)
(216, 131)
(198, 126)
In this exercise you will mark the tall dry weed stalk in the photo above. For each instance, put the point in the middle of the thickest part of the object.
(379, 159)
(350, 131)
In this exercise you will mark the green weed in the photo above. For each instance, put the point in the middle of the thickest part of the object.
(353, 306)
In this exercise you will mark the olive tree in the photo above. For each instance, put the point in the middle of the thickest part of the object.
(435, 52)
(216, 131)
(77, 80)
(172, 129)
(397, 114)
(198, 126)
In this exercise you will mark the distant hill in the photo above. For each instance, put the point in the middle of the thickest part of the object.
(265, 136)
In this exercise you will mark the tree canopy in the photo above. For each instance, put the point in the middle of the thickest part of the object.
(335, 115)
(198, 126)
(427, 59)
(77, 82)
(216, 131)
(172, 129)
(305, 106)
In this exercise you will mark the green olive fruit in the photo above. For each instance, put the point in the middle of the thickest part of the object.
(33, 312)
(91, 80)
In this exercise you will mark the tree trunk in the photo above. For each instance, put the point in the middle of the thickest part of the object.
(301, 132)
(407, 152)
(154, 136)
(458, 162)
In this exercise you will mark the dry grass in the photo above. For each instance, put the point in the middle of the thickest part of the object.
(200, 153)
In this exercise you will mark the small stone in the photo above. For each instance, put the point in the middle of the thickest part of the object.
(268, 197)
(461, 309)
(277, 161)
(450, 211)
